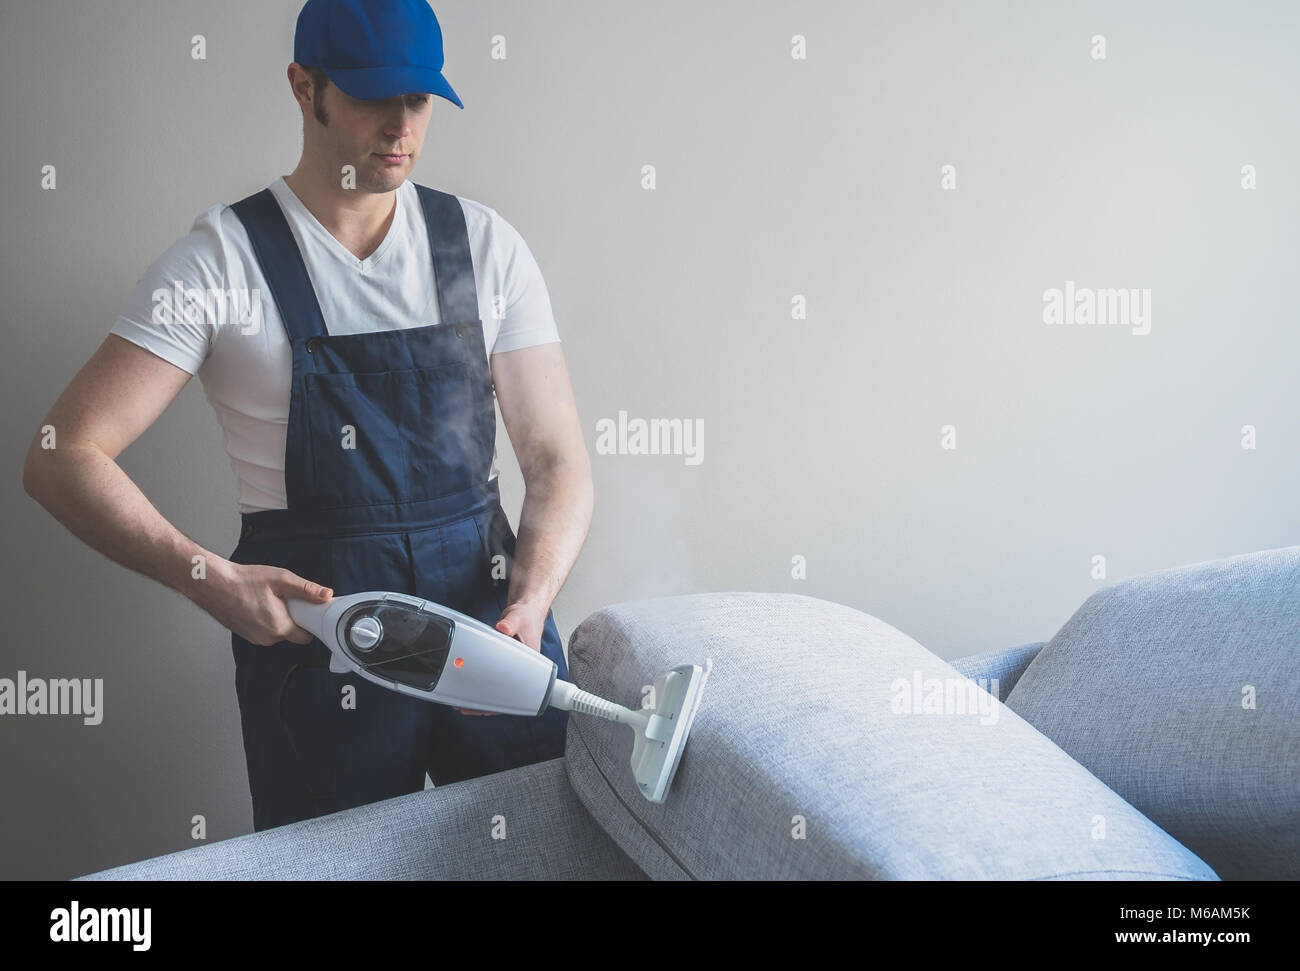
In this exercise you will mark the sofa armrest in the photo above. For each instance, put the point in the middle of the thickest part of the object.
(830, 745)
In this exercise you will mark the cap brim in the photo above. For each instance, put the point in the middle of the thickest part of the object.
(378, 83)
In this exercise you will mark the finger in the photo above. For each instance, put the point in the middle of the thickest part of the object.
(290, 584)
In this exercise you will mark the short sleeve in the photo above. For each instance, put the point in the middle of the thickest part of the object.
(526, 317)
(174, 307)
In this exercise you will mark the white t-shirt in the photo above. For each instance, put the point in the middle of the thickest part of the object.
(242, 356)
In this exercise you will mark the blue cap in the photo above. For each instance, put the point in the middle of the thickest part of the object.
(374, 49)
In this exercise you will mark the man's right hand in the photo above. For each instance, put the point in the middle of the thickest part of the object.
(248, 599)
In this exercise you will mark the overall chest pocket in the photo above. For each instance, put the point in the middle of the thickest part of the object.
(396, 436)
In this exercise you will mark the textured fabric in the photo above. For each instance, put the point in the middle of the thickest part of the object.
(801, 732)
(1005, 667)
(439, 834)
(1148, 685)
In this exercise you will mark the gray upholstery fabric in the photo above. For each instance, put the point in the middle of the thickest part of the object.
(438, 834)
(798, 729)
(1005, 667)
(1144, 685)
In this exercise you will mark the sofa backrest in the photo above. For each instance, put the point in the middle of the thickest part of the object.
(1180, 689)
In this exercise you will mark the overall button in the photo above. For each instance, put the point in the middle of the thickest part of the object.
(312, 344)
(460, 330)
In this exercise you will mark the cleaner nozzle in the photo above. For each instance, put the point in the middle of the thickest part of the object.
(660, 729)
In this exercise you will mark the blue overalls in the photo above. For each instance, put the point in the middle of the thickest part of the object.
(410, 508)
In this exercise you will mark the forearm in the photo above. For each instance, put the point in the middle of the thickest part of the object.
(553, 525)
(96, 500)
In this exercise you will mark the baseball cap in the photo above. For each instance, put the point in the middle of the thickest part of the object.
(374, 49)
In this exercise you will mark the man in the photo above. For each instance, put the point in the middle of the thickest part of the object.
(358, 406)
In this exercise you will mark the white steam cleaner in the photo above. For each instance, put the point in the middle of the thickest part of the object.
(423, 649)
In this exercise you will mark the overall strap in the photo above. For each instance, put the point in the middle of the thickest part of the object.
(453, 267)
(282, 264)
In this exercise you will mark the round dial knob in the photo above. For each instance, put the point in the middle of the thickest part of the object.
(365, 633)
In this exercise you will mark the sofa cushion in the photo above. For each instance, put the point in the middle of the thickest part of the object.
(523, 824)
(804, 764)
(1180, 689)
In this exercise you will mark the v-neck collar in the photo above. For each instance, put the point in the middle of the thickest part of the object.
(286, 195)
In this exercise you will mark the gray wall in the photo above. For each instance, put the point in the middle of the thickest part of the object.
(776, 177)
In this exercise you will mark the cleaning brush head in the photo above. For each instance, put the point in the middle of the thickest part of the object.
(657, 748)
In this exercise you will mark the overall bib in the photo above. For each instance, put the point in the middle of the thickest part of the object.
(409, 508)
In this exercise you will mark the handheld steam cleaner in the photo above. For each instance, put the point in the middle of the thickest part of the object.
(429, 651)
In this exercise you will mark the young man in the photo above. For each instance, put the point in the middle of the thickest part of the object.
(373, 325)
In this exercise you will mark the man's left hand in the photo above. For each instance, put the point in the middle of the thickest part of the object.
(523, 622)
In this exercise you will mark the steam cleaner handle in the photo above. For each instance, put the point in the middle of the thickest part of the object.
(308, 615)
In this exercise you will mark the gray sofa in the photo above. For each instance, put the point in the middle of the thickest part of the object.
(1155, 736)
